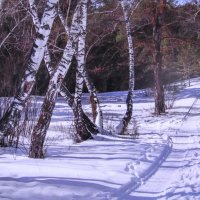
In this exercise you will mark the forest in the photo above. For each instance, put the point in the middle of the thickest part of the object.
(99, 99)
(106, 44)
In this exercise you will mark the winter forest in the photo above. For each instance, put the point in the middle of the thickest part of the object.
(99, 100)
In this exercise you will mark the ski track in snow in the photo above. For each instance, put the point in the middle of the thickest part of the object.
(169, 192)
(137, 181)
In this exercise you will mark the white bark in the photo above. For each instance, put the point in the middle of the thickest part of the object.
(39, 132)
(80, 57)
(37, 51)
(64, 91)
(7, 122)
(1, 3)
(36, 22)
(129, 102)
(34, 14)
(98, 118)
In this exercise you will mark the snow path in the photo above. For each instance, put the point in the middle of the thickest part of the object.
(162, 184)
(137, 181)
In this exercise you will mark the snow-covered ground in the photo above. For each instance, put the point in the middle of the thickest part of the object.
(161, 162)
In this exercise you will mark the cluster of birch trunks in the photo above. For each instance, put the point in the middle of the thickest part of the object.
(75, 48)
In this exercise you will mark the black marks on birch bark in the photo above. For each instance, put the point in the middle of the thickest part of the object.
(45, 27)
(13, 113)
(40, 36)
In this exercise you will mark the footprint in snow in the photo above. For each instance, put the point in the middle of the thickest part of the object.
(132, 167)
(129, 167)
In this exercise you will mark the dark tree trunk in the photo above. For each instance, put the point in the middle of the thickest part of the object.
(157, 33)
(127, 117)
(89, 126)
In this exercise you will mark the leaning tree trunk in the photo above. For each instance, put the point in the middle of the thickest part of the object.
(157, 33)
(86, 122)
(39, 132)
(12, 115)
(96, 109)
(121, 128)
(36, 22)
(89, 126)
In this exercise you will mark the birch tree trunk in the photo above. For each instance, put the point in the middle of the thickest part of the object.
(85, 121)
(121, 128)
(96, 109)
(80, 56)
(89, 126)
(157, 33)
(39, 132)
(36, 22)
(81, 72)
(12, 115)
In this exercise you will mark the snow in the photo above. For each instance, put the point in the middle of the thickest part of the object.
(161, 161)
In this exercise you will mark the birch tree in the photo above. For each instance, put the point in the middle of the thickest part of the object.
(86, 122)
(82, 75)
(39, 132)
(96, 109)
(12, 115)
(80, 57)
(121, 128)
